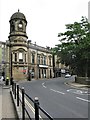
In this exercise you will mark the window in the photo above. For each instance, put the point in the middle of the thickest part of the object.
(38, 59)
(44, 73)
(33, 58)
(44, 60)
(15, 57)
(20, 57)
(20, 26)
(39, 74)
(50, 61)
(41, 60)
(25, 57)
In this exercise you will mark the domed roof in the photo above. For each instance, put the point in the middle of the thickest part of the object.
(18, 15)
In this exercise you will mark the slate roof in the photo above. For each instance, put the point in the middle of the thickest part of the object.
(18, 15)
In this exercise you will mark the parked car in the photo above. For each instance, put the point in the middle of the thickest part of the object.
(67, 75)
(1, 78)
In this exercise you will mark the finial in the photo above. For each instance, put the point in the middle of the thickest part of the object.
(18, 10)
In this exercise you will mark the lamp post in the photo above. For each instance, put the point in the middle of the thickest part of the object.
(11, 76)
(29, 71)
(73, 63)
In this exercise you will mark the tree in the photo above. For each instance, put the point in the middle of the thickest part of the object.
(74, 47)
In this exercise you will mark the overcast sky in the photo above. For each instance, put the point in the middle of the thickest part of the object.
(46, 18)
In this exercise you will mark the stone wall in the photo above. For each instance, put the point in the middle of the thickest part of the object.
(83, 80)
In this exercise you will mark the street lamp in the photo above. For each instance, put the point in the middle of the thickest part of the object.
(73, 63)
(10, 59)
(29, 75)
(29, 71)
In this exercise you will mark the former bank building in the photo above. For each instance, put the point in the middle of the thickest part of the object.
(22, 57)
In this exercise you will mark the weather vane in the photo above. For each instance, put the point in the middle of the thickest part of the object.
(18, 10)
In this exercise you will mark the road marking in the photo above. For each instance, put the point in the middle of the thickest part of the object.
(52, 89)
(80, 92)
(83, 99)
(57, 91)
(44, 85)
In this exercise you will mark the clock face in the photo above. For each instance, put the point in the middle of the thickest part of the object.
(20, 25)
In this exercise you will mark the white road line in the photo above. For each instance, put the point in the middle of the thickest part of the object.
(44, 85)
(52, 89)
(83, 99)
(80, 92)
(57, 91)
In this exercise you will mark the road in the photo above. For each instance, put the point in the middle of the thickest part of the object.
(0, 101)
(59, 99)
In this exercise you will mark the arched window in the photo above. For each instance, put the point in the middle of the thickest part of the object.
(20, 57)
(20, 26)
(44, 60)
(33, 58)
(38, 59)
(15, 57)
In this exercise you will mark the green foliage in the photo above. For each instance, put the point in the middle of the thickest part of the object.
(74, 49)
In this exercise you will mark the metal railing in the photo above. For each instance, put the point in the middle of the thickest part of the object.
(16, 90)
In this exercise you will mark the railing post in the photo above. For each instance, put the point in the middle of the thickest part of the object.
(17, 94)
(12, 86)
(23, 104)
(15, 90)
(36, 103)
(11, 80)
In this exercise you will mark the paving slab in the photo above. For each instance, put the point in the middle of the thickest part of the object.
(0, 102)
(7, 110)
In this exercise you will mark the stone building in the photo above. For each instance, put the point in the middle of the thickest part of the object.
(59, 69)
(23, 58)
(2, 57)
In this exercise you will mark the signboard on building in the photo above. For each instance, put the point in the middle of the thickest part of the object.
(43, 66)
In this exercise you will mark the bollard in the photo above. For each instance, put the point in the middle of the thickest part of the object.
(17, 94)
(36, 103)
(29, 76)
(11, 80)
(15, 90)
(23, 104)
(7, 81)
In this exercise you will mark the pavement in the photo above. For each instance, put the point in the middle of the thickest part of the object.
(77, 85)
(7, 107)
(7, 110)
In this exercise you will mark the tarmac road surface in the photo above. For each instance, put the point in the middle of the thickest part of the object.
(59, 99)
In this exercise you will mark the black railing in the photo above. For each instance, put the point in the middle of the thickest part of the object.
(16, 90)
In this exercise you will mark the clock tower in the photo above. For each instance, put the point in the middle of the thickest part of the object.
(18, 52)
